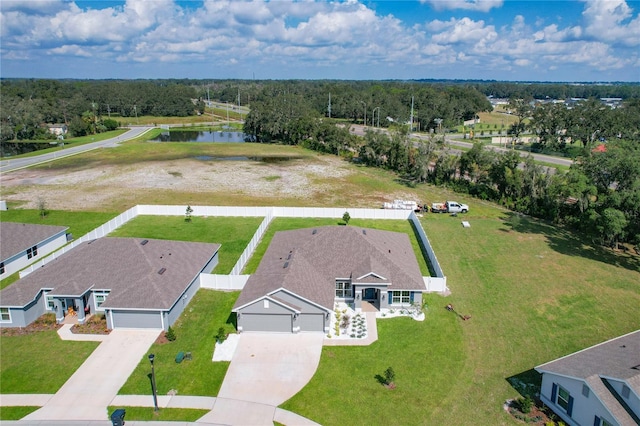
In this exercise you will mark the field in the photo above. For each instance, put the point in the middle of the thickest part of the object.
(534, 292)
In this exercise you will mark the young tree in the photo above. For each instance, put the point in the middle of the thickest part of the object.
(346, 217)
(187, 214)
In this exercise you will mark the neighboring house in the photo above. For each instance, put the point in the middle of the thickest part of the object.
(22, 244)
(139, 283)
(57, 129)
(305, 271)
(597, 386)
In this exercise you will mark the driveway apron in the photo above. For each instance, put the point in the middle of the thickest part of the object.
(86, 395)
(266, 370)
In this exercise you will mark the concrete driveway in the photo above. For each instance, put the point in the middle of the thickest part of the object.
(271, 368)
(86, 395)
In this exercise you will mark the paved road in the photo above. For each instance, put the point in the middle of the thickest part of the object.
(360, 130)
(21, 163)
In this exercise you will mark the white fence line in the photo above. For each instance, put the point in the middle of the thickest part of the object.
(223, 282)
(427, 245)
(99, 232)
(249, 249)
(437, 283)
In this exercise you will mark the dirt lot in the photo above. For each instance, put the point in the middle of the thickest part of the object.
(321, 180)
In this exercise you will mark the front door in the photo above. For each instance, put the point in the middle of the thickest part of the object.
(369, 294)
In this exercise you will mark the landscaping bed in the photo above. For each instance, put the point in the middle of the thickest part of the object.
(46, 322)
(96, 324)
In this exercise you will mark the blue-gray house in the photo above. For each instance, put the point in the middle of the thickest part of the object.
(21, 244)
(306, 271)
(136, 283)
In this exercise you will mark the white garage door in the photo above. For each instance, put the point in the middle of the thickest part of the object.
(263, 322)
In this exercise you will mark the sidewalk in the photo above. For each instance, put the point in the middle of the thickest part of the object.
(88, 392)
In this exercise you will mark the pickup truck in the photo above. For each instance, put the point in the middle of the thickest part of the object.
(449, 207)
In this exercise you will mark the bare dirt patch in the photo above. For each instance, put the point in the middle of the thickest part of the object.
(96, 188)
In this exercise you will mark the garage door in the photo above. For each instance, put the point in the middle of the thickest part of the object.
(262, 322)
(311, 322)
(129, 319)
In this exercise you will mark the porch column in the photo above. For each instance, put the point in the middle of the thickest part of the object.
(80, 312)
(357, 298)
(57, 308)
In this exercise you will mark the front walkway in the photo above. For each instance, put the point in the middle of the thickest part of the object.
(86, 395)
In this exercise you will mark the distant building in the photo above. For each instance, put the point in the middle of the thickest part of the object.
(57, 129)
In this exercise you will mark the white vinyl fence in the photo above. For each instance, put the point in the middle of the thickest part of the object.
(235, 281)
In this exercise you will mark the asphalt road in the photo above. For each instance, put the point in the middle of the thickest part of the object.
(21, 163)
(360, 130)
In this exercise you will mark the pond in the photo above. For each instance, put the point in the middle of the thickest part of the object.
(199, 136)
(269, 160)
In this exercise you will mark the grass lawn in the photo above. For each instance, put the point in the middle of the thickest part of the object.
(79, 223)
(288, 223)
(39, 362)
(15, 413)
(233, 233)
(195, 332)
(534, 293)
(82, 140)
(162, 415)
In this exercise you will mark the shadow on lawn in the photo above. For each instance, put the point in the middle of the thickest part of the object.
(527, 383)
(567, 242)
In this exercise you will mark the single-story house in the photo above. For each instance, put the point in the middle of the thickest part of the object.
(305, 272)
(21, 244)
(597, 386)
(136, 283)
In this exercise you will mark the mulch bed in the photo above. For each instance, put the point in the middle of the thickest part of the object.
(96, 324)
(46, 322)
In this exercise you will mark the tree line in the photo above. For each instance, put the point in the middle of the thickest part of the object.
(87, 107)
(600, 195)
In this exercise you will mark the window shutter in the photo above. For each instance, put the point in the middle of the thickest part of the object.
(570, 407)
(596, 421)
(390, 297)
(411, 296)
(554, 392)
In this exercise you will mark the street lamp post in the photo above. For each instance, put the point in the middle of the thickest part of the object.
(365, 113)
(153, 383)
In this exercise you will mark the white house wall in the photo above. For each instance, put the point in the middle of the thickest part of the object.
(584, 408)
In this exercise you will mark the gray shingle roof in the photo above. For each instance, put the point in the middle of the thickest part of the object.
(617, 359)
(122, 265)
(314, 261)
(18, 237)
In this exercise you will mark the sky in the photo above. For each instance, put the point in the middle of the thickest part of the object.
(506, 40)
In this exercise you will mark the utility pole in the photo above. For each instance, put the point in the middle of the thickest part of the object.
(329, 107)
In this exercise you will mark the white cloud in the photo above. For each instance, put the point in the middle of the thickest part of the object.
(474, 5)
(611, 21)
(463, 31)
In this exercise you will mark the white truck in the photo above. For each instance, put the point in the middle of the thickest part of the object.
(449, 207)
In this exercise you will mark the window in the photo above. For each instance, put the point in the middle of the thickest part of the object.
(343, 289)
(1, 268)
(32, 252)
(403, 297)
(605, 423)
(99, 297)
(563, 398)
(49, 302)
(5, 315)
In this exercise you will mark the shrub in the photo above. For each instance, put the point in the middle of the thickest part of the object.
(389, 376)
(222, 335)
(525, 404)
(170, 334)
